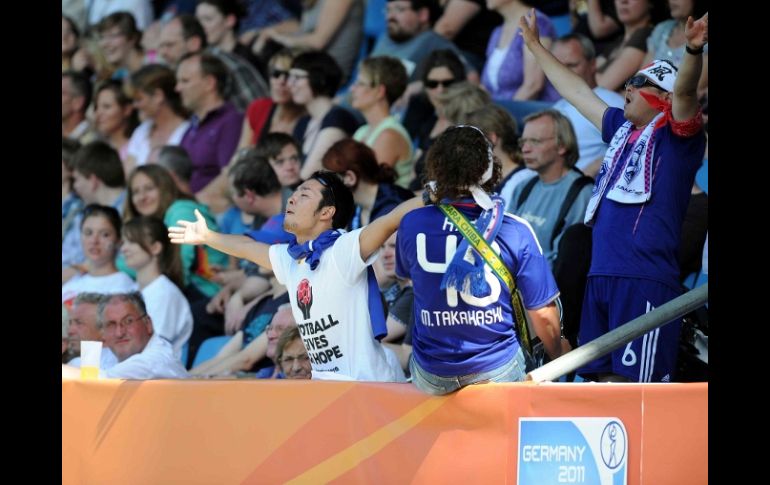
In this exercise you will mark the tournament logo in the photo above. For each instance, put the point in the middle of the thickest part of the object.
(305, 298)
(590, 450)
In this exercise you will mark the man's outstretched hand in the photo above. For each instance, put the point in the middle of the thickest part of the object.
(190, 232)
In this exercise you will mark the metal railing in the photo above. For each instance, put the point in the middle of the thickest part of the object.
(610, 341)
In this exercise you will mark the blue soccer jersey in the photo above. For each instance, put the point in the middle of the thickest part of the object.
(457, 334)
(642, 240)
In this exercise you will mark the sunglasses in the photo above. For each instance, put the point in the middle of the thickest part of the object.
(433, 83)
(277, 73)
(640, 81)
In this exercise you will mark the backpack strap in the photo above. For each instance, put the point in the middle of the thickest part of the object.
(566, 205)
(526, 190)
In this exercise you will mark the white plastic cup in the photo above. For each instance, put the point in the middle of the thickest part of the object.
(90, 358)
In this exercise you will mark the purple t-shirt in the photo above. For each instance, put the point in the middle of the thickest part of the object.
(511, 74)
(642, 240)
(211, 143)
(455, 334)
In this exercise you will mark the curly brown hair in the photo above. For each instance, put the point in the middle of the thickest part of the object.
(457, 159)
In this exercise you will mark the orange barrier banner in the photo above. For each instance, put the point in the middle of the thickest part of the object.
(246, 431)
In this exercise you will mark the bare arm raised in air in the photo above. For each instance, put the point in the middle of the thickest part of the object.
(196, 232)
(685, 100)
(571, 86)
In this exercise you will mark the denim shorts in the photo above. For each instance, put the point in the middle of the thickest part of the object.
(512, 371)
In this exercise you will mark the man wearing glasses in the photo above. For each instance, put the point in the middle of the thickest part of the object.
(549, 147)
(656, 144)
(333, 292)
(127, 331)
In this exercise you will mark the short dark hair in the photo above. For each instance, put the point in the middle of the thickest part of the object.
(175, 159)
(81, 86)
(110, 213)
(442, 58)
(192, 28)
(457, 159)
(253, 172)
(324, 74)
(100, 159)
(388, 71)
(68, 149)
(498, 120)
(211, 65)
(334, 193)
(271, 144)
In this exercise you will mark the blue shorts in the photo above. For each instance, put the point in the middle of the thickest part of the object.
(611, 301)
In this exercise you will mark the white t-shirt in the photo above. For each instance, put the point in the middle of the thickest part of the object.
(331, 308)
(117, 282)
(170, 312)
(156, 361)
(139, 143)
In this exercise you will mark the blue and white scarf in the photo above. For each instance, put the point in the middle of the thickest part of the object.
(634, 186)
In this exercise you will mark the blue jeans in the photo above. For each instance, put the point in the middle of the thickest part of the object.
(511, 371)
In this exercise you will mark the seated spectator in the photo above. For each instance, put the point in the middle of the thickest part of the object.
(667, 38)
(84, 325)
(70, 202)
(468, 24)
(215, 123)
(128, 333)
(115, 118)
(120, 42)
(246, 349)
(372, 185)
(314, 77)
(511, 72)
(220, 20)
(183, 35)
(178, 164)
(409, 37)
(277, 113)
(500, 128)
(381, 81)
(398, 292)
(333, 26)
(158, 267)
(577, 53)
(423, 120)
(152, 192)
(164, 119)
(625, 57)
(97, 177)
(75, 97)
(100, 236)
(291, 355)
